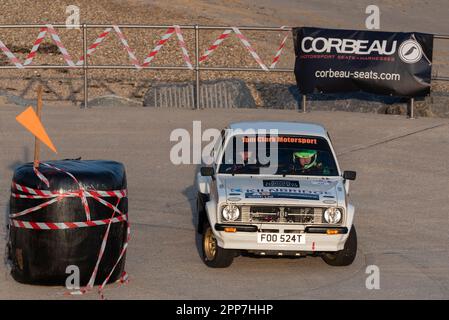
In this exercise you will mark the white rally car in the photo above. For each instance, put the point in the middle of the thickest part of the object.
(275, 188)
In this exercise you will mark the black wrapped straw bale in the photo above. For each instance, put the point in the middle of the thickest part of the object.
(42, 256)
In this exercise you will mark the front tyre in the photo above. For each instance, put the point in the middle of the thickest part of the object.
(346, 256)
(213, 255)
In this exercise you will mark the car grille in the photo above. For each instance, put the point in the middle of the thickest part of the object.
(278, 214)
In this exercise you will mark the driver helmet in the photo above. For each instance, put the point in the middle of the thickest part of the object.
(306, 154)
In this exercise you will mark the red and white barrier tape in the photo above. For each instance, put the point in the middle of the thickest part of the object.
(59, 196)
(128, 49)
(41, 176)
(176, 29)
(37, 43)
(149, 58)
(82, 192)
(64, 225)
(45, 194)
(10, 55)
(248, 46)
(158, 47)
(60, 45)
(91, 282)
(182, 44)
(54, 196)
(215, 45)
(277, 56)
(93, 47)
(124, 277)
(29, 59)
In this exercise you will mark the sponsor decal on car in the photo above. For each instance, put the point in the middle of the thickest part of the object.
(279, 139)
(285, 195)
(281, 183)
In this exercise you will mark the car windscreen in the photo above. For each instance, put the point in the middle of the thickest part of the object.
(282, 154)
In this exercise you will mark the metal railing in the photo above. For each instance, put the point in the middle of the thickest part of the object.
(197, 68)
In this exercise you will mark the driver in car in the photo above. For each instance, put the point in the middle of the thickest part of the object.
(306, 162)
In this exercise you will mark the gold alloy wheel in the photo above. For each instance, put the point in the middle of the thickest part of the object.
(210, 244)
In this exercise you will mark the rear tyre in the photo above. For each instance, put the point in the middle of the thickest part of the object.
(213, 255)
(346, 256)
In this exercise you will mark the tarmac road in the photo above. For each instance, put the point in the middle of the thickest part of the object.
(400, 195)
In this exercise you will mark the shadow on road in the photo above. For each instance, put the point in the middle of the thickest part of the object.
(190, 194)
(25, 158)
(12, 167)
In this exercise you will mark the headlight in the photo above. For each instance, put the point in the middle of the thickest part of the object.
(332, 215)
(230, 213)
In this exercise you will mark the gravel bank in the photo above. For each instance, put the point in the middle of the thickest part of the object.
(67, 85)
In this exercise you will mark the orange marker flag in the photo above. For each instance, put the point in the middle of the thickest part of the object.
(31, 122)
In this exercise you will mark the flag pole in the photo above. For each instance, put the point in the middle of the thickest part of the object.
(37, 144)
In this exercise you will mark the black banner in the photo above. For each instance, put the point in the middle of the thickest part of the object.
(388, 63)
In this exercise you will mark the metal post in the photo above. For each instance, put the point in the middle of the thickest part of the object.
(412, 108)
(304, 101)
(86, 97)
(197, 68)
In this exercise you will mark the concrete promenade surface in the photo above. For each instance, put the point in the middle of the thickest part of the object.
(401, 199)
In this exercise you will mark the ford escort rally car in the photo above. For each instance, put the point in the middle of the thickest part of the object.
(275, 188)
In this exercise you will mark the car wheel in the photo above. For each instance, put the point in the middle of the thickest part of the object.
(213, 255)
(346, 256)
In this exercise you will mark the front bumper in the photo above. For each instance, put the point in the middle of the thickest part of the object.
(245, 238)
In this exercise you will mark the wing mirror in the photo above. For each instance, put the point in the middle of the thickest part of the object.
(349, 175)
(207, 171)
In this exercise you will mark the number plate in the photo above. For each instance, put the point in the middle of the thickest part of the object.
(281, 238)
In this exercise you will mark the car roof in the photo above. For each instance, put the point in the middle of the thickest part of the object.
(299, 128)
